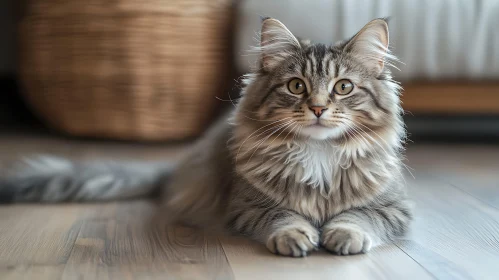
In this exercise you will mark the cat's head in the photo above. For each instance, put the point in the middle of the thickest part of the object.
(314, 91)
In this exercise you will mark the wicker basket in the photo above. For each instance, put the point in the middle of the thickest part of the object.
(125, 69)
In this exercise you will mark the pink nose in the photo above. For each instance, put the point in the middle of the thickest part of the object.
(318, 110)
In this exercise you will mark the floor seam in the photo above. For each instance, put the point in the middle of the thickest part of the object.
(227, 258)
(72, 247)
(419, 264)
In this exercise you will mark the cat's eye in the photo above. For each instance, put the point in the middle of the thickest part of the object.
(296, 86)
(343, 87)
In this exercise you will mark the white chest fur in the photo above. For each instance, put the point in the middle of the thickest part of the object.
(312, 165)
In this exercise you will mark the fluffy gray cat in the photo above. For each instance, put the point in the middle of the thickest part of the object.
(311, 156)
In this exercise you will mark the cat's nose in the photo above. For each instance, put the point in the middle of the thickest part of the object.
(318, 110)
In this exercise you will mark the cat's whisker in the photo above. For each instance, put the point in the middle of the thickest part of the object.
(368, 135)
(293, 128)
(262, 141)
(366, 142)
(284, 129)
(376, 142)
(381, 138)
(365, 126)
(231, 100)
(266, 136)
(360, 133)
(357, 127)
(278, 125)
(297, 133)
(224, 100)
(240, 146)
(356, 139)
(403, 164)
(363, 141)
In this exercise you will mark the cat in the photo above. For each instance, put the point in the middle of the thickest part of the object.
(311, 156)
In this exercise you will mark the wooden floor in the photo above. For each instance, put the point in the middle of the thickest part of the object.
(455, 234)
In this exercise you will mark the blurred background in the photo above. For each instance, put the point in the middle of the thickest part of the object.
(156, 70)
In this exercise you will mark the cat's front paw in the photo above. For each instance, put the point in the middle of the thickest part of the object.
(294, 241)
(345, 240)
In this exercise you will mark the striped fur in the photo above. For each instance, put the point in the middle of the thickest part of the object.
(272, 170)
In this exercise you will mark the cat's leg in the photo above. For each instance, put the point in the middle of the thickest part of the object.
(284, 232)
(358, 230)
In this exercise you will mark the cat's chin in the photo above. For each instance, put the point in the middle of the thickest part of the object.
(319, 132)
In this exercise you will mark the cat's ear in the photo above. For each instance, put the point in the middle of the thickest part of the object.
(370, 44)
(277, 43)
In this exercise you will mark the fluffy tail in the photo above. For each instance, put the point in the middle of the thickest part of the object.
(50, 179)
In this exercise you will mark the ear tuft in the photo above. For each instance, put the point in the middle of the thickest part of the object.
(370, 44)
(264, 18)
(277, 43)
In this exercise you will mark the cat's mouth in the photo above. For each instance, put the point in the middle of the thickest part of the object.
(320, 131)
(318, 124)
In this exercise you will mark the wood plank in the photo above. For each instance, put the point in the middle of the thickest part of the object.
(133, 245)
(250, 260)
(480, 184)
(471, 168)
(458, 97)
(29, 272)
(103, 241)
(454, 235)
(37, 234)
